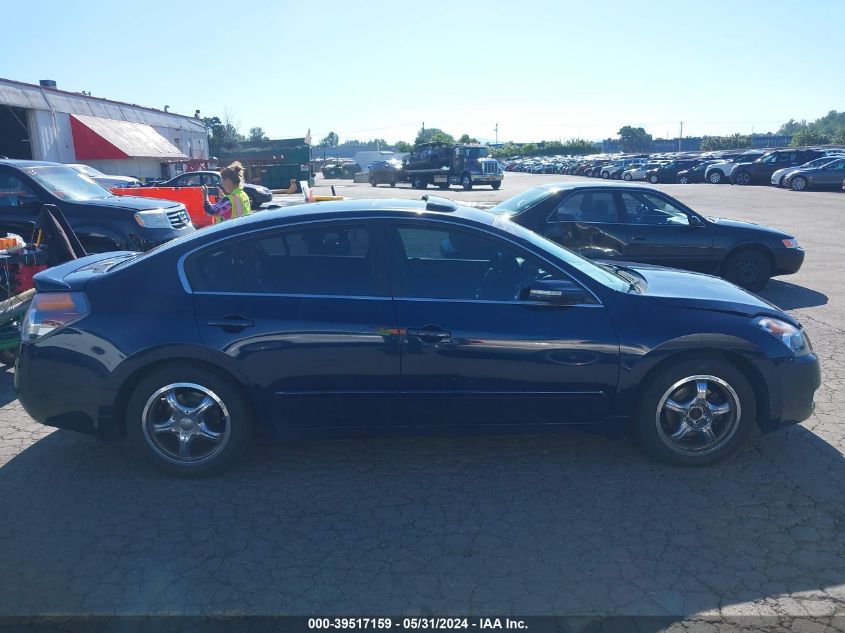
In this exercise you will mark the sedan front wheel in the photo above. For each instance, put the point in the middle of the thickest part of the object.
(696, 413)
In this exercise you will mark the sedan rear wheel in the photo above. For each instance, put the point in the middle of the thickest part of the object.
(683, 180)
(188, 421)
(696, 413)
(799, 183)
(627, 177)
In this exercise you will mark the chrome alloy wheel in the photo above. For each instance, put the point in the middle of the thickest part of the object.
(186, 423)
(698, 415)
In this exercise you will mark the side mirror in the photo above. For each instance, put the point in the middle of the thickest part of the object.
(557, 292)
(695, 221)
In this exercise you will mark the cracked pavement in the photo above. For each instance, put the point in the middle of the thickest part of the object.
(531, 525)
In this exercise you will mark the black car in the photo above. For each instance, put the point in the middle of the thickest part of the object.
(669, 171)
(395, 314)
(641, 224)
(101, 220)
(760, 171)
(340, 170)
(258, 194)
(694, 174)
(385, 172)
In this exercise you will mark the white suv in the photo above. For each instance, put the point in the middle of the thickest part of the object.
(718, 173)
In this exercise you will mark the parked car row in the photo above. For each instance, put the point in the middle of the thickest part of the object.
(795, 168)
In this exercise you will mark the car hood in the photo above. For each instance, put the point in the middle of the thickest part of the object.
(749, 226)
(135, 203)
(684, 289)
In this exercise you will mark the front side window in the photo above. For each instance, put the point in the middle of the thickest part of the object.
(319, 260)
(14, 192)
(589, 206)
(442, 263)
(646, 208)
(190, 180)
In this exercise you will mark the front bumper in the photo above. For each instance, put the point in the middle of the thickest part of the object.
(788, 260)
(791, 390)
(486, 178)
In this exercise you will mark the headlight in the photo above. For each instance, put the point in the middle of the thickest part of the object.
(156, 219)
(790, 242)
(788, 334)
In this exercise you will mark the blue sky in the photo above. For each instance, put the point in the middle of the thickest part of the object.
(540, 69)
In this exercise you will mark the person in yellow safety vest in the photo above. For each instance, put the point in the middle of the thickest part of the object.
(233, 202)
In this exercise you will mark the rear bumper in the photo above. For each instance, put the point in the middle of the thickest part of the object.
(78, 406)
(789, 260)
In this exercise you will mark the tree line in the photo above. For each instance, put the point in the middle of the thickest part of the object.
(829, 129)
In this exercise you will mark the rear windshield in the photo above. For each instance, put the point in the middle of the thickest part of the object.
(523, 201)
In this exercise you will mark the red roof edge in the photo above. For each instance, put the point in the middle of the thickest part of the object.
(89, 145)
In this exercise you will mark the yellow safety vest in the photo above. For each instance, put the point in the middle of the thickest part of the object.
(239, 202)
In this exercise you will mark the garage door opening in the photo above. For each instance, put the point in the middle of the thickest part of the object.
(14, 133)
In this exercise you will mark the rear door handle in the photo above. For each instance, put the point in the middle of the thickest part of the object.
(429, 333)
(231, 322)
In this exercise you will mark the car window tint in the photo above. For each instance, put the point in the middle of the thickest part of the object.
(589, 206)
(839, 164)
(14, 192)
(646, 208)
(437, 263)
(190, 180)
(324, 260)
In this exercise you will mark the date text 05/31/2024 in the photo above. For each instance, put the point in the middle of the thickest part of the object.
(413, 624)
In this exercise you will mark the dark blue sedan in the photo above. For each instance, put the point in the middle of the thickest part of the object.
(338, 316)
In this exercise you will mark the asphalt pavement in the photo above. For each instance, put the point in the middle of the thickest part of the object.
(565, 524)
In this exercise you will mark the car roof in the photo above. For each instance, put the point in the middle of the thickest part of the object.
(598, 184)
(16, 162)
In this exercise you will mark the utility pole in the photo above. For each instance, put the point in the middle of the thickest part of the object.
(497, 135)
(680, 138)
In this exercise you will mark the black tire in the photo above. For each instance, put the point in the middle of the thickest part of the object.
(235, 434)
(628, 177)
(419, 182)
(604, 175)
(9, 356)
(655, 422)
(496, 185)
(748, 267)
(393, 182)
(684, 180)
(799, 183)
(93, 245)
(742, 178)
(466, 182)
(715, 177)
(372, 182)
(653, 179)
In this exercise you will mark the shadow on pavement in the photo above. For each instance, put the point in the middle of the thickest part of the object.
(560, 524)
(789, 296)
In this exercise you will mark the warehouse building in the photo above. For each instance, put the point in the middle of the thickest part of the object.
(40, 122)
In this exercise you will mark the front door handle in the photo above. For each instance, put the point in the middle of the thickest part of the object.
(639, 238)
(231, 322)
(429, 333)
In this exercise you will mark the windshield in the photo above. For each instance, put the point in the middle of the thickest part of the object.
(602, 275)
(522, 202)
(476, 152)
(88, 171)
(67, 183)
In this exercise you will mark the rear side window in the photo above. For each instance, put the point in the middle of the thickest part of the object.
(321, 260)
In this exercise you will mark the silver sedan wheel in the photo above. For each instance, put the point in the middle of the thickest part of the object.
(186, 423)
(799, 184)
(698, 415)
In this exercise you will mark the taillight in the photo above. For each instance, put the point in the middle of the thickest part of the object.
(50, 311)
